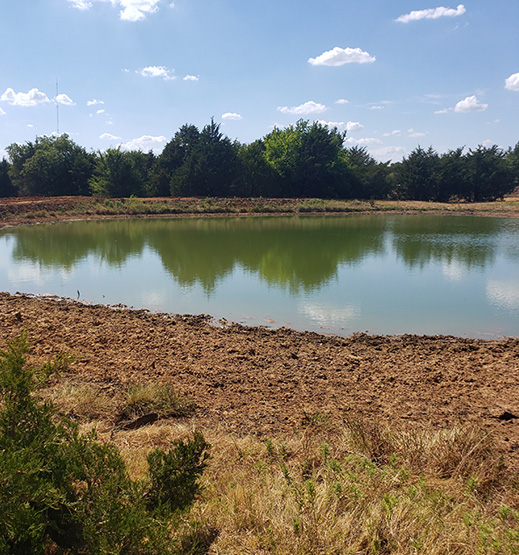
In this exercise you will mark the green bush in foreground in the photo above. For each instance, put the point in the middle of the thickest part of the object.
(65, 493)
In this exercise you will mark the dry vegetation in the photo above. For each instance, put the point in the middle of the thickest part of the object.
(15, 211)
(368, 489)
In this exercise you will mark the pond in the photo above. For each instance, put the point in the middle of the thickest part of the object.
(383, 274)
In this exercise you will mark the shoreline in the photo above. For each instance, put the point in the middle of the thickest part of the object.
(33, 210)
(273, 382)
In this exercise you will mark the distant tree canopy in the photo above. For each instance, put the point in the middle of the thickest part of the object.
(50, 166)
(302, 160)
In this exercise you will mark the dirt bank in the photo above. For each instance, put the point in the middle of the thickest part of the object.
(254, 380)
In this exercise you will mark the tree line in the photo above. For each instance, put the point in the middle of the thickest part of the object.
(304, 160)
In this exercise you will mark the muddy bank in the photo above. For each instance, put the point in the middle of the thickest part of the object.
(254, 380)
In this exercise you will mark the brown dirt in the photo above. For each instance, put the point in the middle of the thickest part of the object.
(267, 382)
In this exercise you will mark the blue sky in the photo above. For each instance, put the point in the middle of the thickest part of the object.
(393, 74)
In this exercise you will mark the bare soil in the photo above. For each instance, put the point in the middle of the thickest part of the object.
(269, 382)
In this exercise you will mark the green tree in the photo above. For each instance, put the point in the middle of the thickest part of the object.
(369, 177)
(173, 156)
(418, 175)
(309, 160)
(257, 177)
(209, 166)
(121, 174)
(7, 189)
(488, 174)
(51, 166)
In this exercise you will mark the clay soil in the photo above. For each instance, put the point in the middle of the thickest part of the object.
(272, 382)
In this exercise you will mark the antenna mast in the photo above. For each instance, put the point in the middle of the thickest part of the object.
(57, 108)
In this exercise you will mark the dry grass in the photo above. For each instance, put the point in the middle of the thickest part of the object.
(370, 489)
(364, 489)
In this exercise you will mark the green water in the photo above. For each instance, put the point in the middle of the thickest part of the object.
(334, 274)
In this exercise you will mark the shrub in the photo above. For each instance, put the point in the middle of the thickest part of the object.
(67, 493)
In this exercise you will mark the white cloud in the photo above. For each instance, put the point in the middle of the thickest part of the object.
(65, 100)
(231, 116)
(31, 98)
(342, 101)
(387, 153)
(349, 126)
(415, 134)
(145, 143)
(376, 107)
(135, 10)
(432, 13)
(81, 4)
(395, 132)
(340, 56)
(512, 82)
(191, 78)
(362, 142)
(94, 102)
(443, 111)
(158, 71)
(100, 111)
(109, 137)
(131, 10)
(2, 113)
(470, 104)
(305, 109)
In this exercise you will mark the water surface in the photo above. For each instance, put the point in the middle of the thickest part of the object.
(334, 274)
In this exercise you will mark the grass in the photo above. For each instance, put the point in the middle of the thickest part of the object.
(85, 207)
(357, 488)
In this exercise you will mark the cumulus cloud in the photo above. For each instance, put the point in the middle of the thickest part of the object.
(342, 101)
(367, 141)
(100, 111)
(109, 137)
(131, 10)
(158, 71)
(432, 13)
(339, 56)
(65, 100)
(191, 78)
(387, 153)
(349, 126)
(2, 113)
(470, 104)
(81, 4)
(231, 116)
(415, 134)
(305, 109)
(94, 102)
(395, 132)
(135, 10)
(31, 98)
(512, 82)
(145, 143)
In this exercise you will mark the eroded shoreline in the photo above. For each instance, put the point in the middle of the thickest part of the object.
(271, 382)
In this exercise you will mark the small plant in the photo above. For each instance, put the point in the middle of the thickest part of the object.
(158, 398)
(62, 492)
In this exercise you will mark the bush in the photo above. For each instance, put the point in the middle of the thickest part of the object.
(67, 493)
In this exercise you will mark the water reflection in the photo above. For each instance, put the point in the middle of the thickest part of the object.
(295, 253)
(386, 274)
